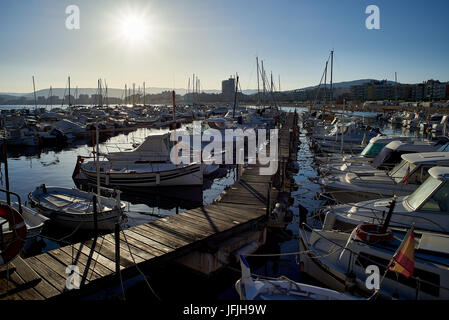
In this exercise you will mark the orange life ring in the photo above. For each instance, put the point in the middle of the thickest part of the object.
(18, 226)
(372, 233)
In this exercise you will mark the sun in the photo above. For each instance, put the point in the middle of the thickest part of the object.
(134, 28)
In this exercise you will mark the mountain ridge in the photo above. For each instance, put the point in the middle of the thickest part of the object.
(119, 93)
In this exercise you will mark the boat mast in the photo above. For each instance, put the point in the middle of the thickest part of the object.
(258, 87)
(126, 94)
(332, 67)
(263, 81)
(188, 88)
(97, 147)
(69, 93)
(134, 93)
(325, 85)
(193, 90)
(35, 101)
(144, 93)
(235, 94)
(97, 139)
(279, 89)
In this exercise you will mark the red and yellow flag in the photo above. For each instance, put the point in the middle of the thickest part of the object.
(403, 260)
(407, 174)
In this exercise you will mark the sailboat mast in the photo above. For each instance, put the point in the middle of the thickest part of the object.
(332, 67)
(69, 93)
(235, 94)
(193, 90)
(144, 93)
(258, 87)
(325, 83)
(97, 140)
(35, 100)
(134, 93)
(279, 89)
(263, 80)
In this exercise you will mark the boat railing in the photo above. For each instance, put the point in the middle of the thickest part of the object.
(374, 212)
(116, 193)
(8, 193)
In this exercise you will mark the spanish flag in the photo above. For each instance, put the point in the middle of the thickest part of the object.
(403, 259)
(407, 174)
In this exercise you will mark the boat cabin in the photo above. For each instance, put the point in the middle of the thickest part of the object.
(376, 144)
(433, 194)
(391, 154)
(417, 165)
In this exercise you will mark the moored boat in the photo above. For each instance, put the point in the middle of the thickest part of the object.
(74, 209)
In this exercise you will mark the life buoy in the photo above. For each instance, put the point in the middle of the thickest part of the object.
(19, 231)
(372, 233)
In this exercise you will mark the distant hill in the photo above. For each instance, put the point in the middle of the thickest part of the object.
(119, 93)
(344, 84)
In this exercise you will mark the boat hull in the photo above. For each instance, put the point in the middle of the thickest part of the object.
(191, 175)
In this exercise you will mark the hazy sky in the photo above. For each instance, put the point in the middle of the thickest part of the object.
(216, 38)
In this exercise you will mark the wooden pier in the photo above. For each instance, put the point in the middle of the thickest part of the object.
(241, 210)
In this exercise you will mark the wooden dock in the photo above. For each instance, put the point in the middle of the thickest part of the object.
(241, 208)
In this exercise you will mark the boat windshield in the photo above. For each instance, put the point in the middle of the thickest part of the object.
(422, 193)
(400, 170)
(444, 148)
(372, 149)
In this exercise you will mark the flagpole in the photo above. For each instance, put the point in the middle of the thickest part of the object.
(401, 246)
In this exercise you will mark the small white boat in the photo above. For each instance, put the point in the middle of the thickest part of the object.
(283, 289)
(33, 221)
(74, 209)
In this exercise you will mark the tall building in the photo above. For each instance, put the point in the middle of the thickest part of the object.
(228, 89)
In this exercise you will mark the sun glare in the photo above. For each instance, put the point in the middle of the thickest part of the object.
(134, 28)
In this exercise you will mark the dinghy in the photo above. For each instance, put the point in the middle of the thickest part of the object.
(74, 209)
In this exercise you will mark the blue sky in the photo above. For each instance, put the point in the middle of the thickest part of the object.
(216, 38)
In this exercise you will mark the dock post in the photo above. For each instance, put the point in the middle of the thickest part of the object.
(5, 160)
(117, 249)
(269, 199)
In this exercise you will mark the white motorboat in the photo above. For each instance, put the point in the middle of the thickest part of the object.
(343, 261)
(403, 179)
(281, 289)
(426, 208)
(155, 149)
(74, 209)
